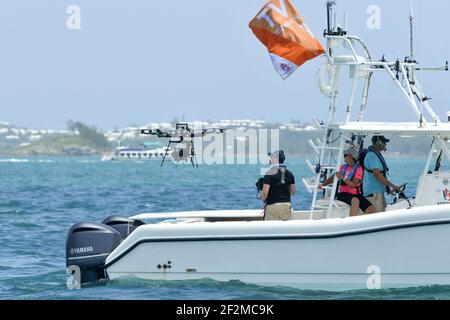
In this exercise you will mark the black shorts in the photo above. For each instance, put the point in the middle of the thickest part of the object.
(364, 204)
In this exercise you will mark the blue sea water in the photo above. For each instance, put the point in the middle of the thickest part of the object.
(40, 198)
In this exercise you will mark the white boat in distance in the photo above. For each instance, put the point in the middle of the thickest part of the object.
(319, 248)
(125, 153)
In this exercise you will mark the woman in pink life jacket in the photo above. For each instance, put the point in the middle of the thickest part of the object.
(350, 176)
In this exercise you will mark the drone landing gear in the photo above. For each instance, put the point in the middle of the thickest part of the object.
(180, 154)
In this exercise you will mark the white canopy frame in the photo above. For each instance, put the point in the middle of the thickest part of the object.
(335, 134)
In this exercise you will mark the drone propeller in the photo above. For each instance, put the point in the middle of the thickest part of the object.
(156, 132)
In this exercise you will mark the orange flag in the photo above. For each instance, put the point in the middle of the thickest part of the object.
(283, 31)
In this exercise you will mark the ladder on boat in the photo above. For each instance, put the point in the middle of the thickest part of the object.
(329, 150)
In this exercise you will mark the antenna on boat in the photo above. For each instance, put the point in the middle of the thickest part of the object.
(345, 23)
(411, 38)
(411, 30)
(330, 28)
(334, 29)
(330, 4)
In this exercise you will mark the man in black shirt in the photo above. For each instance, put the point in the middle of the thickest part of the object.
(279, 185)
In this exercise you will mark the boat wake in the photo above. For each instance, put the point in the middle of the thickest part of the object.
(14, 160)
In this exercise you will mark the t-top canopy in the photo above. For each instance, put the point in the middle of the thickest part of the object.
(397, 129)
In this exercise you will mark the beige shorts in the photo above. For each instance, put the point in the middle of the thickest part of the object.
(378, 201)
(278, 211)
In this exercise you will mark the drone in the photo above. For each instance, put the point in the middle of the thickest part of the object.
(183, 139)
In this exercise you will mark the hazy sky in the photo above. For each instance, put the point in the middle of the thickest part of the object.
(141, 61)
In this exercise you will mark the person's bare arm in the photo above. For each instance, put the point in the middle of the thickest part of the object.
(292, 189)
(327, 182)
(382, 179)
(265, 192)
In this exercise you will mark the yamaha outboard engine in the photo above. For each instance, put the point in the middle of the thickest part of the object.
(124, 225)
(88, 244)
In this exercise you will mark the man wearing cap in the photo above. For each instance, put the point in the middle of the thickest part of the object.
(375, 176)
(278, 186)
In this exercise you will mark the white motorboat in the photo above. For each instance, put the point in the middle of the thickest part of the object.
(126, 153)
(319, 248)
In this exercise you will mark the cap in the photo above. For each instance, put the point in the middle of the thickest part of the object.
(279, 154)
(378, 139)
(352, 152)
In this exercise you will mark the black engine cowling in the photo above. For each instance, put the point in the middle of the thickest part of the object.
(88, 244)
(124, 225)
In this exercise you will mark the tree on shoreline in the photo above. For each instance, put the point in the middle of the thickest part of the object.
(89, 134)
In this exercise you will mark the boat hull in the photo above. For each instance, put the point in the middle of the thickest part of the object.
(396, 249)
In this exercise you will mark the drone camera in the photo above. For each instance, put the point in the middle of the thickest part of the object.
(182, 126)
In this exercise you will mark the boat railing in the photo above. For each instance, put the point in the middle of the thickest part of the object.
(329, 149)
